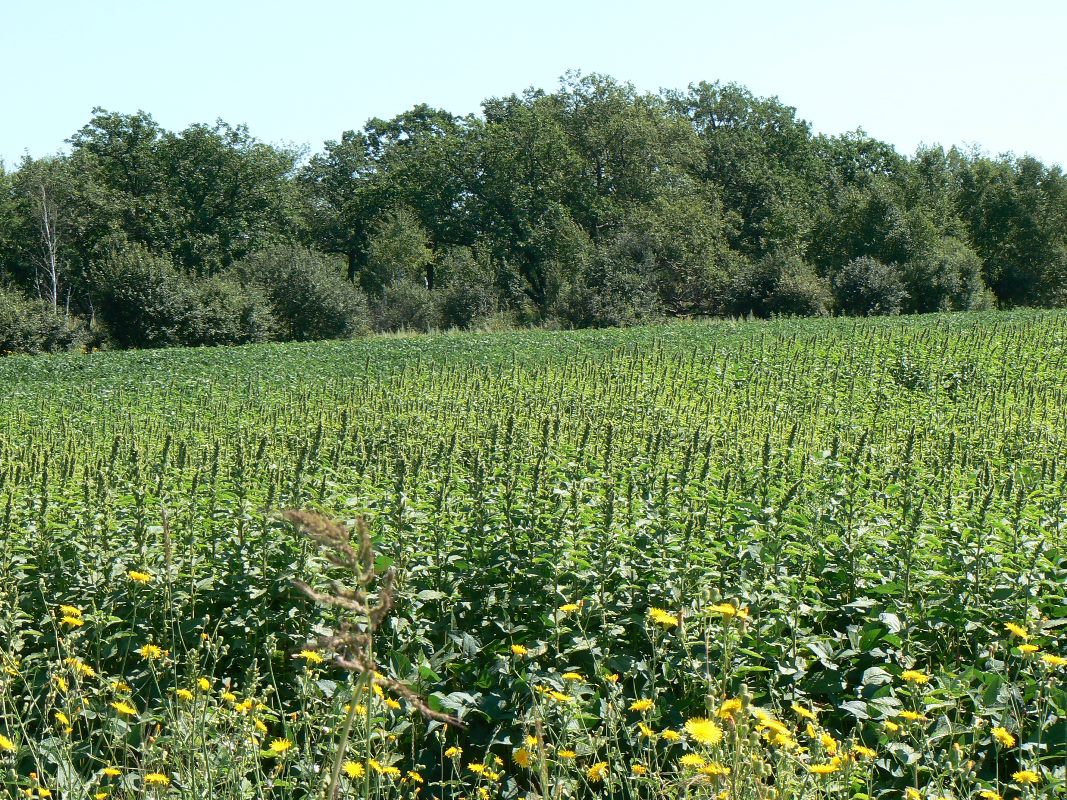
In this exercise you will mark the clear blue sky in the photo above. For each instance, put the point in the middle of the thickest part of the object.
(983, 72)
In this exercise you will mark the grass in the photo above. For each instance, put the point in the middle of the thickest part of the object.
(825, 513)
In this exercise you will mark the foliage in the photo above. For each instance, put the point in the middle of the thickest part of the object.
(34, 326)
(826, 512)
(867, 287)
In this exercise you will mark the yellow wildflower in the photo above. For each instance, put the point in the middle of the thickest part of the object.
(596, 773)
(726, 609)
(646, 731)
(81, 667)
(914, 676)
(6, 745)
(912, 794)
(112, 772)
(704, 731)
(662, 617)
(612, 677)
(1028, 649)
(1025, 776)
(571, 676)
(692, 760)
(310, 656)
(1016, 630)
(1054, 661)
(715, 770)
(519, 650)
(70, 611)
(1003, 737)
(824, 769)
(183, 694)
(989, 794)
(637, 769)
(641, 705)
(728, 708)
(522, 757)
(569, 608)
(891, 726)
(353, 769)
(866, 752)
(156, 779)
(72, 622)
(150, 652)
(139, 577)
(124, 708)
(911, 716)
(800, 711)
(203, 684)
(280, 746)
(453, 752)
(671, 736)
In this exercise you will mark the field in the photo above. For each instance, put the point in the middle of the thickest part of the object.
(797, 559)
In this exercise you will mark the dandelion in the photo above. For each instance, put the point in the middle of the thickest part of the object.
(522, 757)
(571, 676)
(229, 697)
(1028, 649)
(692, 760)
(662, 617)
(1003, 737)
(671, 736)
(1016, 630)
(911, 716)
(81, 667)
(596, 773)
(914, 676)
(1054, 661)
(865, 752)
(566, 755)
(139, 577)
(714, 770)
(183, 694)
(728, 708)
(800, 711)
(60, 683)
(124, 708)
(70, 611)
(641, 705)
(989, 794)
(203, 684)
(912, 794)
(310, 657)
(519, 650)
(112, 772)
(62, 718)
(261, 726)
(704, 731)
(150, 652)
(612, 677)
(6, 745)
(453, 752)
(353, 769)
(569, 608)
(391, 703)
(824, 769)
(559, 697)
(280, 746)
(156, 779)
(638, 769)
(1025, 776)
(414, 777)
(890, 726)
(726, 609)
(646, 731)
(829, 743)
(72, 621)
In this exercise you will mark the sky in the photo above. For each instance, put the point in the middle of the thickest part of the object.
(983, 73)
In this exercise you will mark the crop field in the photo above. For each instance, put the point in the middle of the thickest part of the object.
(743, 561)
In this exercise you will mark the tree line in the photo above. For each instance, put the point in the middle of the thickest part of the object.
(592, 205)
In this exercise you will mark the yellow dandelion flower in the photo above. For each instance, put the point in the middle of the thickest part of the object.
(1003, 737)
(139, 577)
(728, 708)
(829, 743)
(646, 731)
(911, 716)
(726, 609)
(70, 611)
(715, 770)
(203, 684)
(703, 731)
(1026, 776)
(612, 677)
(81, 667)
(477, 769)
(229, 697)
(280, 746)
(641, 705)
(353, 769)
(261, 726)
(1054, 661)
(989, 794)
(72, 622)
(914, 676)
(890, 726)
(522, 757)
(6, 745)
(670, 736)
(824, 769)
(519, 650)
(569, 608)
(637, 769)
(912, 794)
(1028, 649)
(310, 656)
(60, 683)
(800, 711)
(150, 652)
(391, 703)
(596, 773)
(156, 779)
(1016, 630)
(183, 694)
(453, 752)
(567, 755)
(662, 617)
(124, 708)
(414, 777)
(62, 718)
(571, 676)
(559, 697)
(692, 760)
(112, 772)
(865, 752)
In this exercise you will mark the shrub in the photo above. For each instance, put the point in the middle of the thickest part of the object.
(228, 313)
(308, 293)
(867, 287)
(610, 291)
(778, 284)
(405, 305)
(468, 289)
(947, 278)
(144, 300)
(32, 326)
